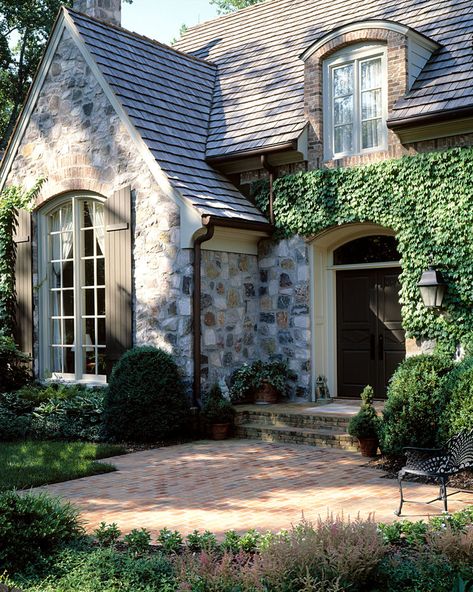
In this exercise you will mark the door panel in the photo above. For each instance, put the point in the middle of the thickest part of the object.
(370, 338)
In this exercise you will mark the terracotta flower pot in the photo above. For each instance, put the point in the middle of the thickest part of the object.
(219, 431)
(368, 446)
(266, 394)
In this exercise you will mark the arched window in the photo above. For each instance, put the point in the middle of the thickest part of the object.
(355, 101)
(72, 279)
(368, 249)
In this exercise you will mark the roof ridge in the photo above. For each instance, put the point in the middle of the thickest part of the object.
(141, 37)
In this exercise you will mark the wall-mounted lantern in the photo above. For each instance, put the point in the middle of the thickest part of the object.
(432, 288)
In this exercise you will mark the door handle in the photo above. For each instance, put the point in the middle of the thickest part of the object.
(380, 347)
(372, 346)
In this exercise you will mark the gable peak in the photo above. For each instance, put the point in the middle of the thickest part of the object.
(109, 11)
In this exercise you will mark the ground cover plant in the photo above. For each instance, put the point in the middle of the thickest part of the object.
(33, 463)
(330, 555)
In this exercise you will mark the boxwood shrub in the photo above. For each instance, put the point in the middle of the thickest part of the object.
(458, 387)
(415, 404)
(145, 400)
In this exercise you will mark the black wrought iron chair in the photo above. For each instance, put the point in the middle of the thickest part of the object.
(438, 464)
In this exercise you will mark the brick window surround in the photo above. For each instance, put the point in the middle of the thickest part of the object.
(397, 75)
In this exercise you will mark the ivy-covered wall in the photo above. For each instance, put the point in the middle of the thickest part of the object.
(426, 199)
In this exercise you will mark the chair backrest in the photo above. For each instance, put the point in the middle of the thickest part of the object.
(460, 450)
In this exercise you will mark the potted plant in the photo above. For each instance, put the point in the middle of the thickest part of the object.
(218, 413)
(269, 381)
(365, 424)
(261, 382)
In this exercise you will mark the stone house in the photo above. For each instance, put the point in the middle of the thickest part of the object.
(144, 232)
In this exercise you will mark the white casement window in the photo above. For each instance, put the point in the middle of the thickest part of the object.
(72, 290)
(355, 102)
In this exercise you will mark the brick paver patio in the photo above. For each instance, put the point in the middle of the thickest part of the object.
(241, 484)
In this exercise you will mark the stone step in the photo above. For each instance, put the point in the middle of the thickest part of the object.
(337, 423)
(295, 435)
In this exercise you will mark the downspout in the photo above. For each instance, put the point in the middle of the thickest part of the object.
(196, 304)
(272, 175)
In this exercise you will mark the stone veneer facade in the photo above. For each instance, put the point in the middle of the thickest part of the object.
(76, 140)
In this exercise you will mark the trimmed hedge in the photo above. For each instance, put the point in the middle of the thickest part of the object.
(145, 399)
(458, 387)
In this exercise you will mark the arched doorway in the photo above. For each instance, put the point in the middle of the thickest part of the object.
(358, 335)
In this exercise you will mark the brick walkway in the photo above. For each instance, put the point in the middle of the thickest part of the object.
(240, 484)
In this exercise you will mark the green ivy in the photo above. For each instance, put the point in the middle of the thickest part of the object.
(12, 199)
(426, 199)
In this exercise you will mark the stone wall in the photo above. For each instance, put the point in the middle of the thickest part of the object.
(76, 140)
(257, 308)
(230, 310)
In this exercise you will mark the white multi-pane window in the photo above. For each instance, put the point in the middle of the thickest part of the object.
(355, 102)
(73, 290)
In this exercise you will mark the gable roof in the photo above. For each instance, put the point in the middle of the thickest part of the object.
(167, 95)
(259, 98)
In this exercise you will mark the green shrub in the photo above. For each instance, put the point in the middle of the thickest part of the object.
(170, 540)
(415, 404)
(32, 527)
(458, 388)
(138, 541)
(14, 365)
(205, 541)
(145, 400)
(107, 535)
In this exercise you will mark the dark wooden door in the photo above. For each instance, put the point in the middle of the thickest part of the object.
(370, 338)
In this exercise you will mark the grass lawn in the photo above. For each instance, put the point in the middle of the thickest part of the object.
(29, 464)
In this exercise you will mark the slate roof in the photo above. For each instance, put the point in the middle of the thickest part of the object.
(168, 97)
(259, 97)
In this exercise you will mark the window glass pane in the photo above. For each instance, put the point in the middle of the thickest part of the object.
(89, 279)
(68, 274)
(371, 105)
(89, 332)
(101, 301)
(55, 247)
(68, 303)
(56, 338)
(371, 133)
(69, 360)
(86, 217)
(56, 359)
(371, 74)
(369, 249)
(55, 221)
(100, 272)
(89, 302)
(68, 334)
(55, 303)
(343, 110)
(343, 139)
(88, 246)
(343, 80)
(67, 246)
(101, 332)
(90, 363)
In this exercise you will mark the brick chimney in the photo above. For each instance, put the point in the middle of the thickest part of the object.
(109, 11)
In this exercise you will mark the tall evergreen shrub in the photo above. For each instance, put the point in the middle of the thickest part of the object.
(458, 387)
(145, 401)
(416, 402)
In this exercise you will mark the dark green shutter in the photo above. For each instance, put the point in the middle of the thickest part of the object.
(24, 284)
(118, 275)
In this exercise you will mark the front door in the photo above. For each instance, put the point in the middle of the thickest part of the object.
(370, 338)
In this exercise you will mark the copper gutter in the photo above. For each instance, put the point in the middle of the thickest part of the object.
(431, 118)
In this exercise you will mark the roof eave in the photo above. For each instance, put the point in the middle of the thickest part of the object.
(430, 118)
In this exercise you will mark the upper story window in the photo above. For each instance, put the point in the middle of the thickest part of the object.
(72, 265)
(355, 101)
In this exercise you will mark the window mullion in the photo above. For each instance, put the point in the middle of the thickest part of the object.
(77, 288)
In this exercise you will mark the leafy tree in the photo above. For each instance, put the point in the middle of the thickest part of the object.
(225, 6)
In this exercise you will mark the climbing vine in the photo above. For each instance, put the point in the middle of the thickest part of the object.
(12, 199)
(426, 199)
